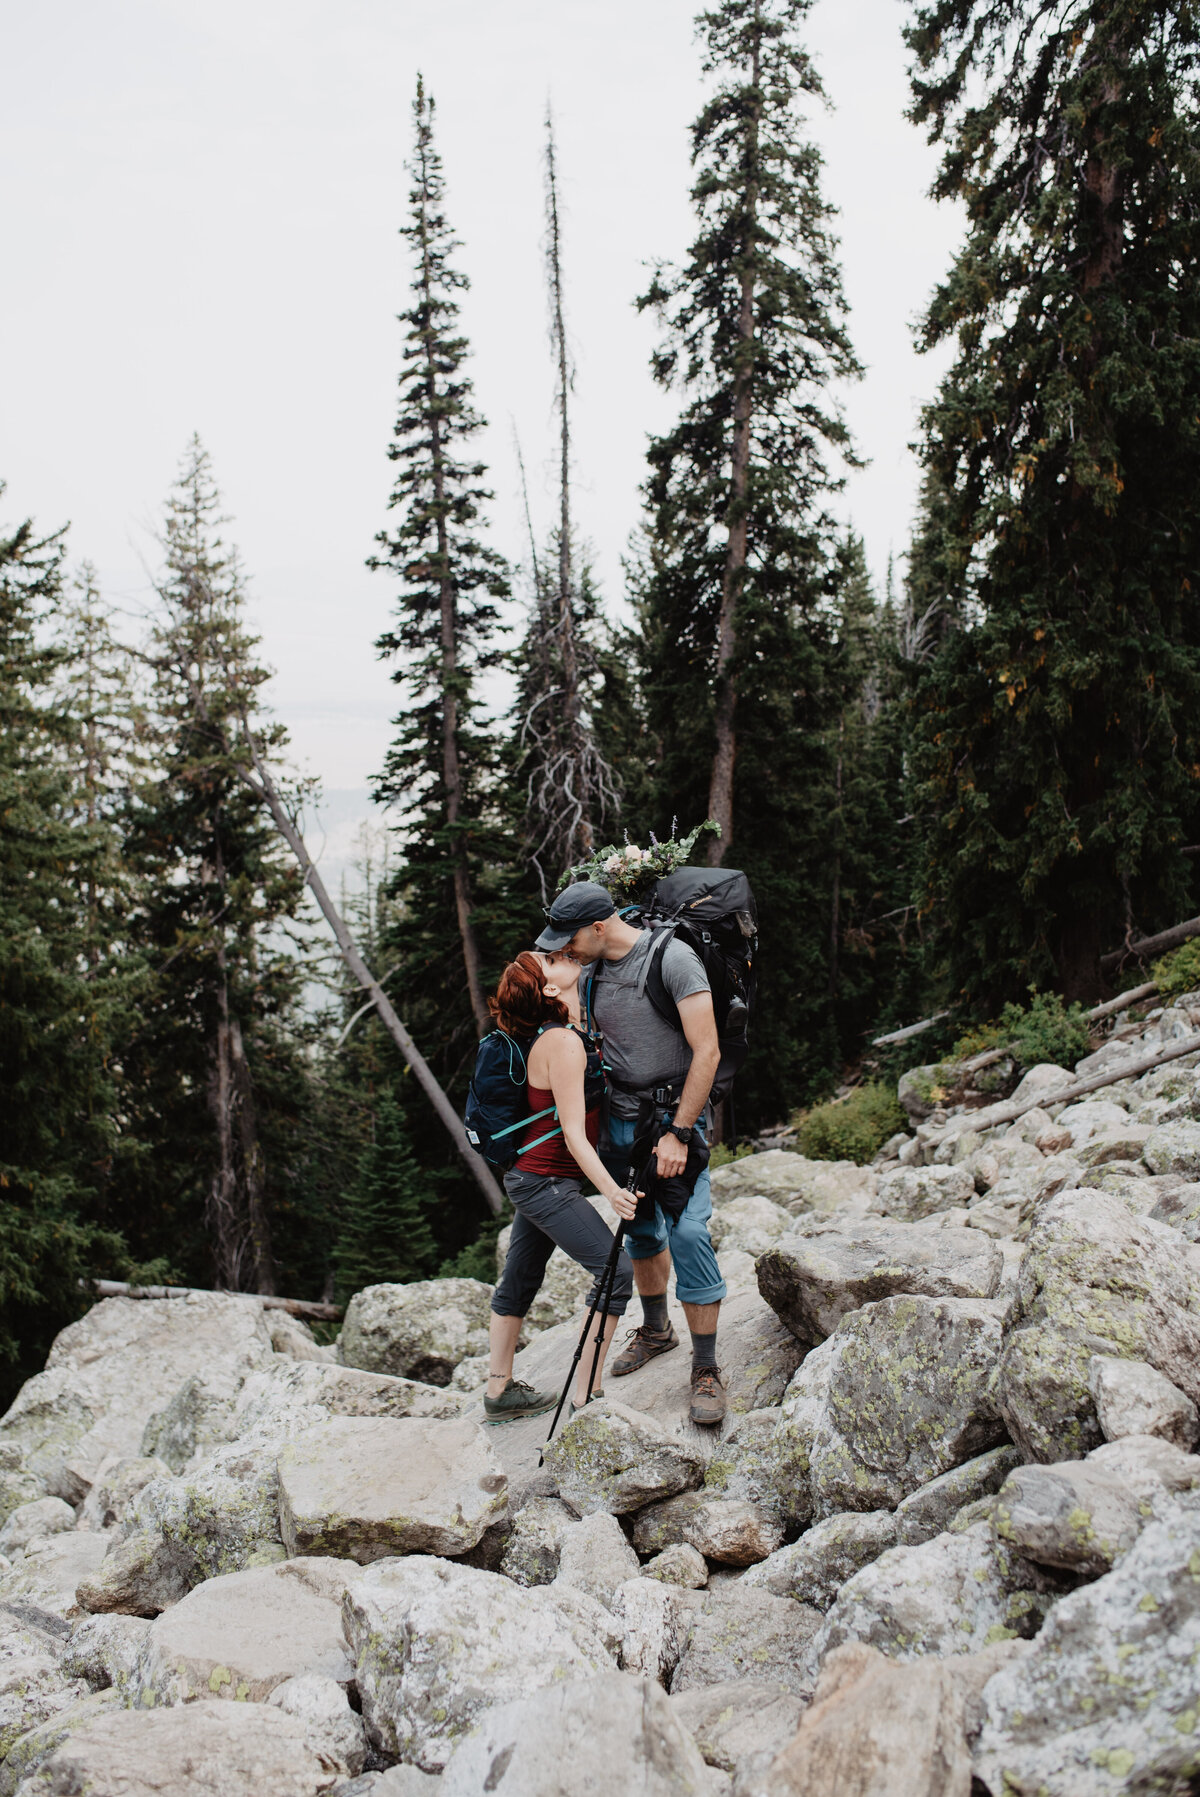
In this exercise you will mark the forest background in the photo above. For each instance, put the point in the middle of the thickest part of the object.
(958, 775)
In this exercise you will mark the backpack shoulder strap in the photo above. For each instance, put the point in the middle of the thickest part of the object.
(653, 984)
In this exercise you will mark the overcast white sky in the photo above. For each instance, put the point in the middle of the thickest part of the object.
(200, 205)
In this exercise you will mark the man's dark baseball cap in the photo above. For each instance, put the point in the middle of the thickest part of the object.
(581, 904)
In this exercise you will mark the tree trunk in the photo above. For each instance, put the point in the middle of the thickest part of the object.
(720, 791)
(835, 921)
(252, 1166)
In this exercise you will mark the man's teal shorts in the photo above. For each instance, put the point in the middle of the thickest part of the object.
(697, 1275)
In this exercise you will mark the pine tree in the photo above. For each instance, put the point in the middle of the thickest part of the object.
(57, 1014)
(445, 615)
(735, 586)
(216, 1063)
(385, 1236)
(1057, 735)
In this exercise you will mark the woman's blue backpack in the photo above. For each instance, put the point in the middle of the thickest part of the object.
(496, 1104)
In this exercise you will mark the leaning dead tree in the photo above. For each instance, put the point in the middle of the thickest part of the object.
(247, 761)
(569, 785)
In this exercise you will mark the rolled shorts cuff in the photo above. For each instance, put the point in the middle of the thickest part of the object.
(705, 1294)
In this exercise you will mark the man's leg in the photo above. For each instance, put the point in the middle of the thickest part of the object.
(700, 1289)
(645, 1241)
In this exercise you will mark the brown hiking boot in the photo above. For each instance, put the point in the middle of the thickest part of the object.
(708, 1397)
(642, 1345)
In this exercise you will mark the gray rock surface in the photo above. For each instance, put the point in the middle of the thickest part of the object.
(333, 1728)
(40, 1589)
(1133, 1398)
(612, 1737)
(116, 1486)
(205, 1749)
(104, 1650)
(899, 1394)
(1073, 1515)
(654, 1620)
(1094, 1280)
(434, 1645)
(733, 1531)
(914, 1192)
(420, 1331)
(32, 1690)
(752, 1222)
(931, 1509)
(34, 1522)
(1106, 1699)
(609, 1457)
(139, 1576)
(740, 1727)
(596, 1558)
(531, 1552)
(241, 1635)
(678, 1565)
(956, 1594)
(740, 1633)
(1175, 1148)
(813, 1281)
(36, 1745)
(364, 1488)
(797, 1184)
(813, 1569)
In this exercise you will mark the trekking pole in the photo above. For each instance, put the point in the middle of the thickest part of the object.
(604, 1288)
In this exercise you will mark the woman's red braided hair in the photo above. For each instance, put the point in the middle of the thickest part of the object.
(521, 1005)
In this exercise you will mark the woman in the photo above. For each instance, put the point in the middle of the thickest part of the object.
(564, 1077)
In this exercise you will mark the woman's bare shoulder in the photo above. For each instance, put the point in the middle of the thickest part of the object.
(560, 1048)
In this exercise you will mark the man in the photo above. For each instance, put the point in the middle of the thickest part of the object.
(646, 1054)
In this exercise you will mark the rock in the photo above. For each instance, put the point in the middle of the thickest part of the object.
(18, 1488)
(655, 1621)
(214, 1519)
(288, 1397)
(334, 1730)
(914, 1192)
(931, 1509)
(109, 1372)
(1181, 1209)
(1042, 1082)
(1121, 1146)
(1095, 1280)
(751, 1222)
(612, 1458)
(104, 1650)
(195, 1750)
(1175, 1148)
(878, 1729)
(115, 1487)
(955, 1594)
(33, 1522)
(1151, 1467)
(30, 1750)
(680, 1565)
(140, 1576)
(897, 1395)
(32, 1690)
(612, 1737)
(812, 1282)
(739, 1727)
(1090, 1118)
(1073, 1515)
(596, 1558)
(1132, 1398)
(796, 1183)
(591, 1621)
(730, 1530)
(741, 1633)
(919, 1091)
(397, 1781)
(40, 1589)
(434, 1645)
(470, 1375)
(813, 1569)
(241, 1635)
(293, 1337)
(421, 1330)
(532, 1550)
(1051, 1139)
(757, 1462)
(1106, 1698)
(363, 1488)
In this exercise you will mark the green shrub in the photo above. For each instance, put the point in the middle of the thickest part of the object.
(851, 1129)
(1180, 971)
(1045, 1030)
(722, 1154)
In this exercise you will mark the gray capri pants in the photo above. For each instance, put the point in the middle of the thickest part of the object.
(552, 1212)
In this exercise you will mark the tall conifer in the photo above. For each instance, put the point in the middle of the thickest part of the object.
(1057, 746)
(445, 617)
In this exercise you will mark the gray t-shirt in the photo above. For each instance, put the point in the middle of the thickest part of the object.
(641, 1049)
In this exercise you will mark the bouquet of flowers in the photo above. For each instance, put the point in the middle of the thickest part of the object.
(629, 871)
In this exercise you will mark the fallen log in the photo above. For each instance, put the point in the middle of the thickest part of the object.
(1136, 993)
(910, 1030)
(295, 1307)
(1152, 945)
(995, 1115)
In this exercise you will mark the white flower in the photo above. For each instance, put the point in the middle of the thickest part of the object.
(612, 864)
(634, 853)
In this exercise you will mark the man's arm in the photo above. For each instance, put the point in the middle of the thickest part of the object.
(700, 1029)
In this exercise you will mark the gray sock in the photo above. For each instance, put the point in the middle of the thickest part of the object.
(654, 1312)
(704, 1349)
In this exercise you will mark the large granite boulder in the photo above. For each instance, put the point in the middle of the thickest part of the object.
(898, 1394)
(911, 1193)
(241, 1635)
(1105, 1701)
(797, 1184)
(1074, 1515)
(814, 1569)
(732, 1531)
(740, 1633)
(611, 1736)
(595, 1558)
(934, 1506)
(751, 1222)
(813, 1281)
(41, 1586)
(107, 1374)
(1132, 1398)
(1175, 1148)
(434, 1645)
(420, 1331)
(364, 1488)
(612, 1458)
(1094, 1280)
(739, 1727)
(655, 1621)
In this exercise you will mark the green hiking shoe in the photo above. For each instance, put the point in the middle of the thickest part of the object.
(517, 1400)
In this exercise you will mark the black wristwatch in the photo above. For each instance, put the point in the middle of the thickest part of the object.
(683, 1135)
